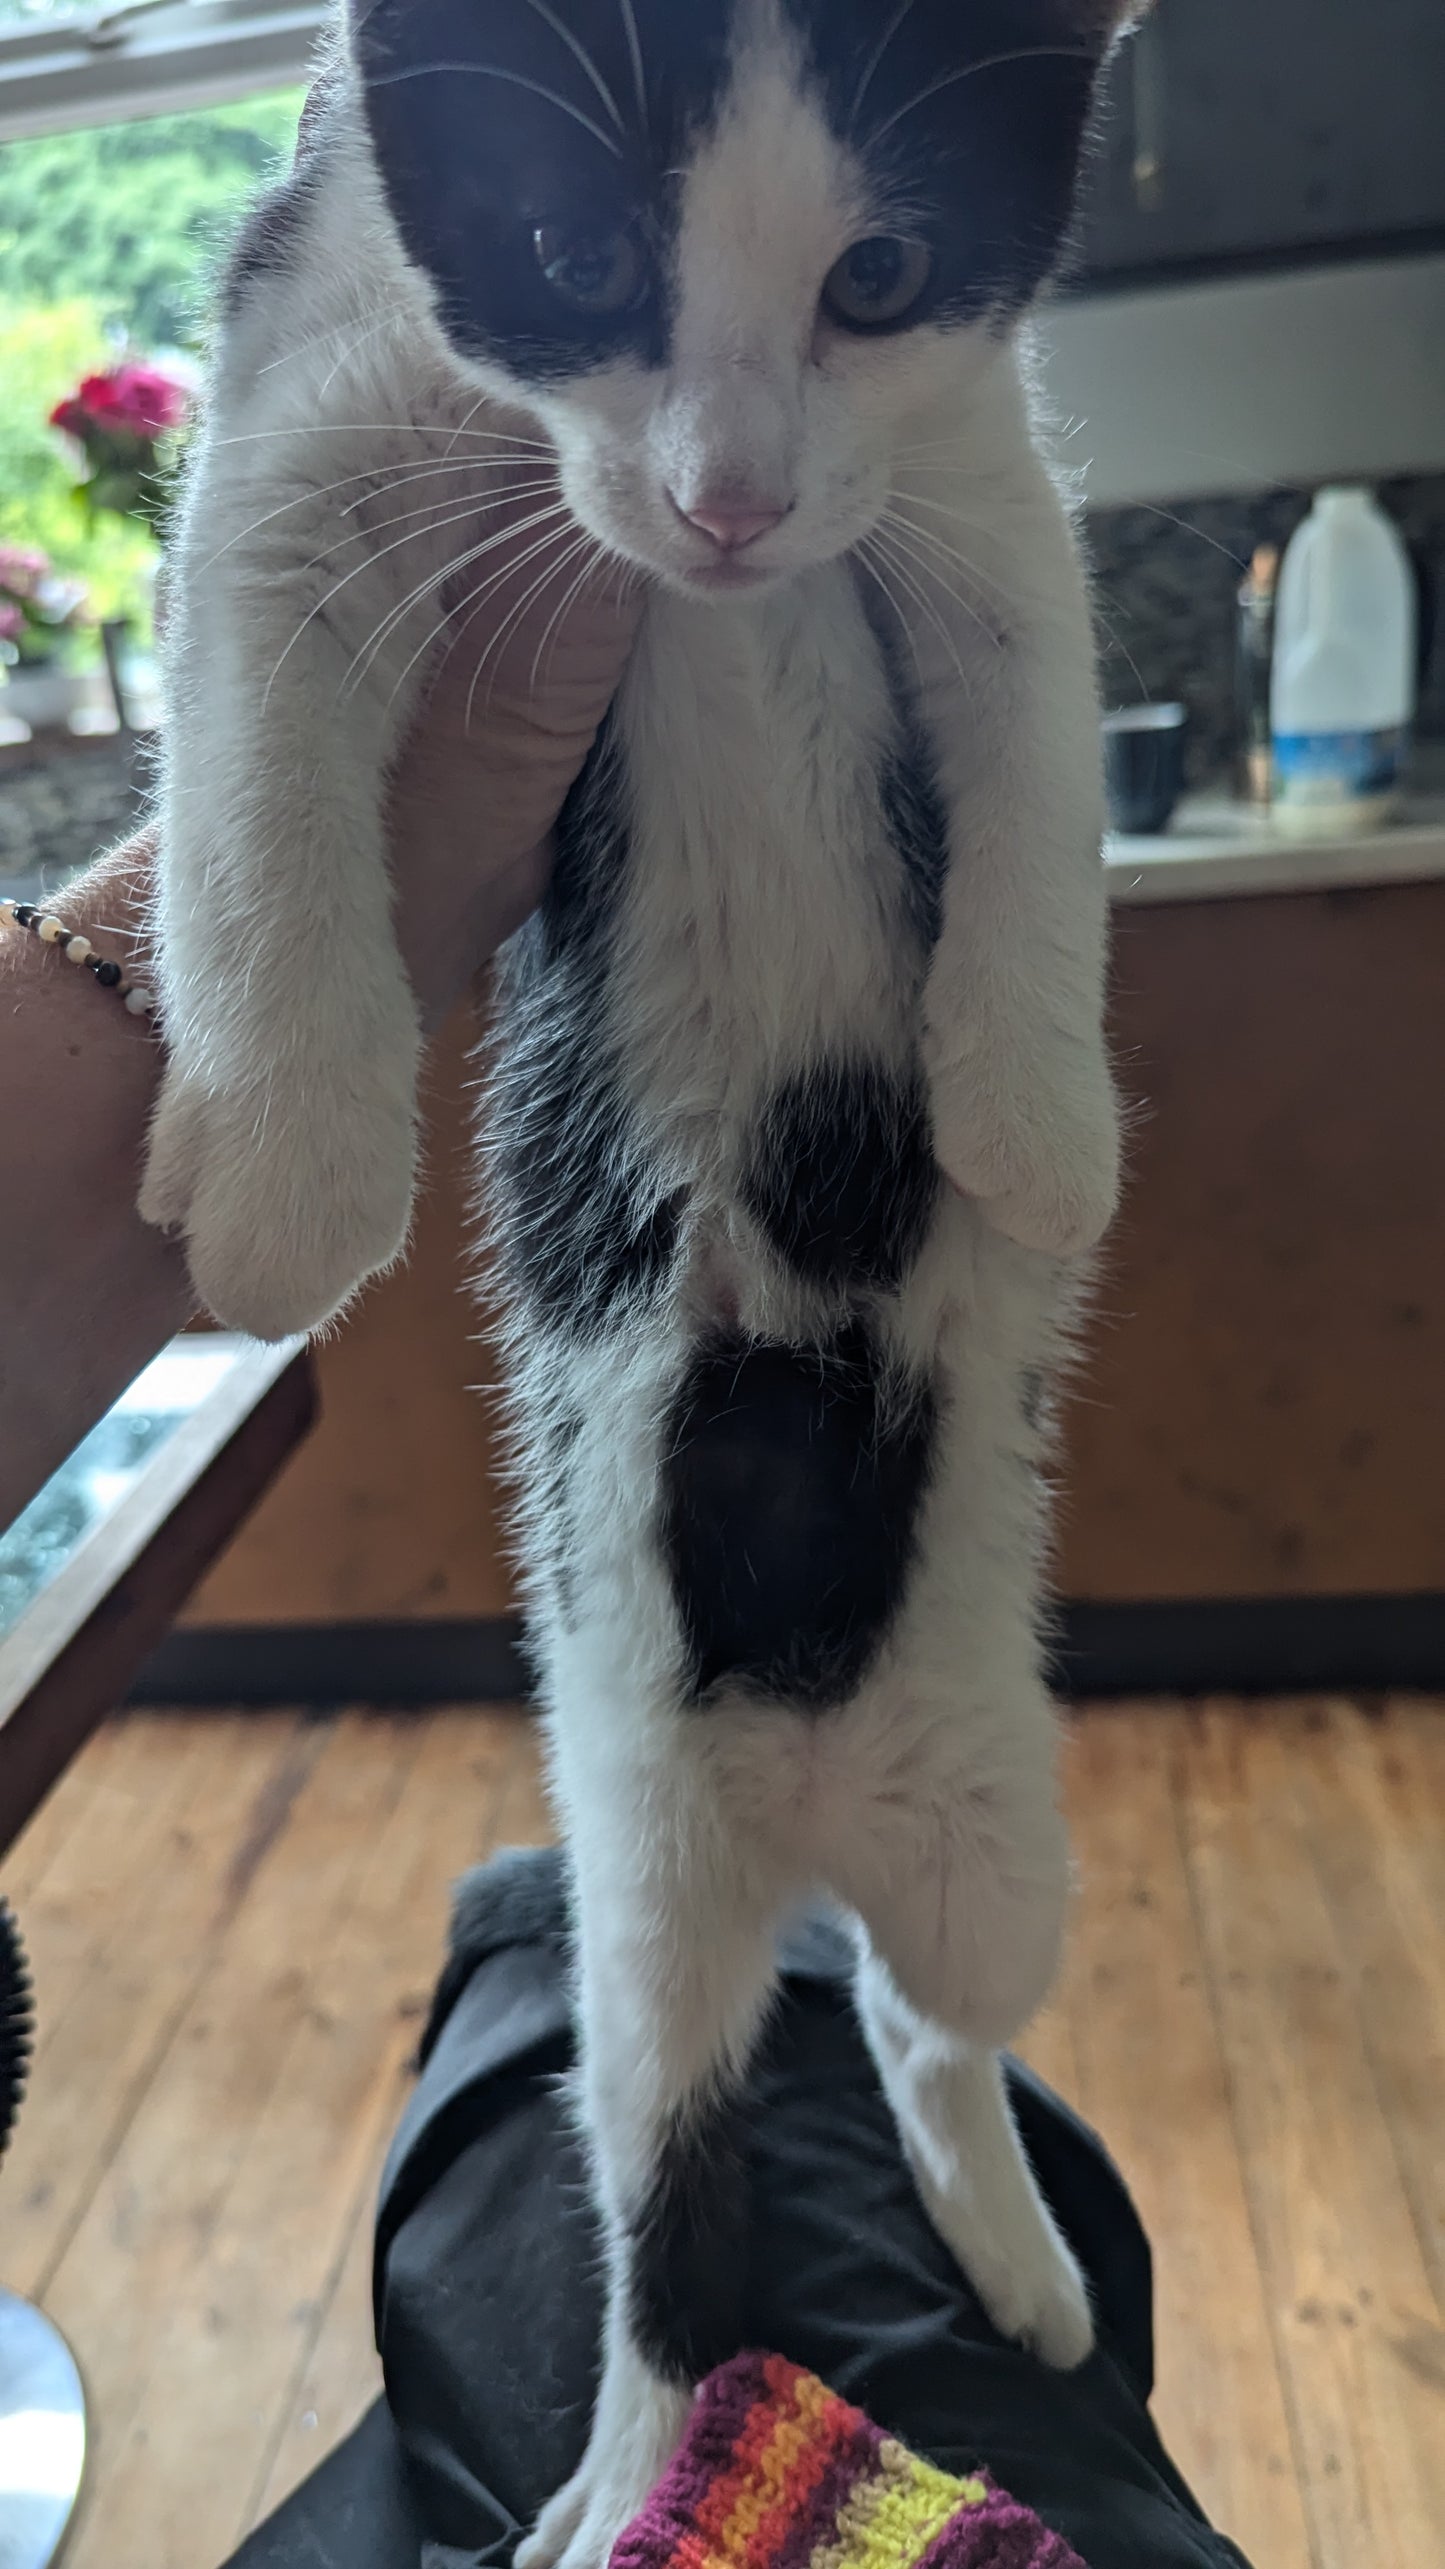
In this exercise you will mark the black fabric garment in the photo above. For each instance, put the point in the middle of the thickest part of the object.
(488, 2301)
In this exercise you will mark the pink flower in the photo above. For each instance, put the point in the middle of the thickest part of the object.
(135, 401)
(73, 417)
(12, 622)
(22, 569)
(148, 399)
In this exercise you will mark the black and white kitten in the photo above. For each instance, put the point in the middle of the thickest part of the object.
(801, 1116)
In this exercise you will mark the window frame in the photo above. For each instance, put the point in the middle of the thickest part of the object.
(104, 66)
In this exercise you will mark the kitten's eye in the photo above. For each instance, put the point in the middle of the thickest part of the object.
(599, 272)
(877, 282)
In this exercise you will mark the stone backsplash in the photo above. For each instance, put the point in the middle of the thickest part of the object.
(1167, 581)
(60, 806)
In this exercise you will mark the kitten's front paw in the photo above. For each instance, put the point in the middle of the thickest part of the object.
(286, 1209)
(1040, 1154)
(579, 2527)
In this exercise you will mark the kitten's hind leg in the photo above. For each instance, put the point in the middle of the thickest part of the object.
(956, 1953)
(675, 1966)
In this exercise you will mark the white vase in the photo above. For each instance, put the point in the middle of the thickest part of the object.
(42, 695)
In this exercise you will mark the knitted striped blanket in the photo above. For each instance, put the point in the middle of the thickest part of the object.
(777, 2472)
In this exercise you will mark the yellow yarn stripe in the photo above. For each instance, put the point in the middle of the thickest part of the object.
(891, 2517)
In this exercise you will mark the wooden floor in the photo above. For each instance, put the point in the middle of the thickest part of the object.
(235, 1923)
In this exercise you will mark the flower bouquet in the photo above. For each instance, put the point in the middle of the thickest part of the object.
(39, 611)
(126, 424)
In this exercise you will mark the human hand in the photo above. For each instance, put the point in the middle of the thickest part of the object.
(511, 713)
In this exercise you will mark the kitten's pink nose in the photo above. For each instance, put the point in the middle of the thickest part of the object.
(731, 523)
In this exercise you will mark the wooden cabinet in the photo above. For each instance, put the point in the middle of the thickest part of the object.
(1261, 1403)
(1240, 132)
(392, 1510)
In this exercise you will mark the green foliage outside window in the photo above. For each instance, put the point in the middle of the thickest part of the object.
(109, 238)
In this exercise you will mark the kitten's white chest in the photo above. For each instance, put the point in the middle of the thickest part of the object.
(767, 916)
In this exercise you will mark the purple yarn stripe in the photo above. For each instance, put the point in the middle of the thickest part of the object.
(999, 2534)
(816, 2521)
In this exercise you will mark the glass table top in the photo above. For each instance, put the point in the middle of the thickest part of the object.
(105, 1467)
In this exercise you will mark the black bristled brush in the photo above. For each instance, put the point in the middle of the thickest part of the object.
(17, 2022)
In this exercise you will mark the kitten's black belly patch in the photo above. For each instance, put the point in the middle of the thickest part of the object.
(586, 1222)
(790, 1498)
(841, 1177)
(586, 1228)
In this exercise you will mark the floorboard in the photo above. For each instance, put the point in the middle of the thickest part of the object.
(1152, 2076)
(1353, 2311)
(235, 1921)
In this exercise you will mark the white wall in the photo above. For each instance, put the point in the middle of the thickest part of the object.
(1188, 389)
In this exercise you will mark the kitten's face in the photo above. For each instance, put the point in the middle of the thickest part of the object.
(730, 252)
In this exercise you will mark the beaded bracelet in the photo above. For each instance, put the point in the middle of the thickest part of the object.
(53, 932)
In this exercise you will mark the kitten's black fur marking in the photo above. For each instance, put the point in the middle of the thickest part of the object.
(913, 806)
(474, 158)
(473, 161)
(586, 1220)
(270, 239)
(842, 1177)
(688, 2241)
(994, 157)
(791, 1494)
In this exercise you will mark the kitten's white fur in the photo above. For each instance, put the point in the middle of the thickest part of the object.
(285, 1140)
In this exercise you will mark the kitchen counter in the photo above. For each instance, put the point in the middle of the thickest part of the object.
(1217, 849)
(57, 809)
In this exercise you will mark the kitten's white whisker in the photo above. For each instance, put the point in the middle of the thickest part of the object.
(473, 601)
(580, 53)
(893, 553)
(558, 614)
(382, 322)
(495, 580)
(549, 572)
(396, 477)
(1116, 643)
(1171, 519)
(386, 428)
(934, 545)
(876, 56)
(396, 615)
(439, 513)
(516, 80)
(634, 48)
(922, 549)
(481, 399)
(971, 71)
(392, 477)
(321, 339)
(873, 563)
(929, 535)
(334, 592)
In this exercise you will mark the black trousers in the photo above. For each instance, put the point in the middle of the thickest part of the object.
(487, 2287)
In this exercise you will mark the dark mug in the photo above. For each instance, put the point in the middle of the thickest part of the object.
(1144, 766)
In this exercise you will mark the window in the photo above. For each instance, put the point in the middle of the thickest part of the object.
(64, 65)
(113, 216)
